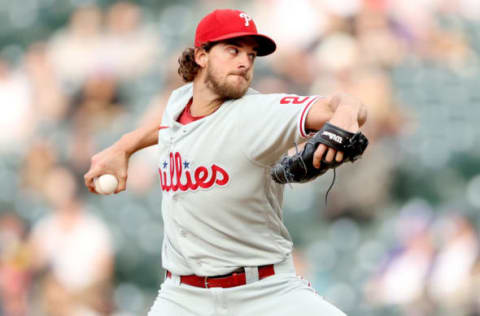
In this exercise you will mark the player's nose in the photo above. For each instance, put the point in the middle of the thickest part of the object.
(244, 62)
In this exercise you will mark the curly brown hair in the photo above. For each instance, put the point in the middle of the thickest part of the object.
(188, 68)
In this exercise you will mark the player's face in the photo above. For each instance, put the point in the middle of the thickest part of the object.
(229, 70)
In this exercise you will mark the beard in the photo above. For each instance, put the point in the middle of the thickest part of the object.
(224, 89)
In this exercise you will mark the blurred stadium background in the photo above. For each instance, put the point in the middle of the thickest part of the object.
(400, 235)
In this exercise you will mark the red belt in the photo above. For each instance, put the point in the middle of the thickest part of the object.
(225, 281)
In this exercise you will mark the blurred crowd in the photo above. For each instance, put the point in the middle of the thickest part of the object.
(399, 235)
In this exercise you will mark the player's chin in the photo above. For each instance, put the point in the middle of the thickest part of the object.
(235, 94)
(236, 89)
(241, 82)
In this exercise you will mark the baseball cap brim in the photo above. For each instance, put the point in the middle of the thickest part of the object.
(266, 45)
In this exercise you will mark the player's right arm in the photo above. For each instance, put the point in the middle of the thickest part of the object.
(114, 159)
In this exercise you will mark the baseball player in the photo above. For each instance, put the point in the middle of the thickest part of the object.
(226, 250)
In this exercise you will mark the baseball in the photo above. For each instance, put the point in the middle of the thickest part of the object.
(106, 184)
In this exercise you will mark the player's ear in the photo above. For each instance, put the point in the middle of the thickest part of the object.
(201, 57)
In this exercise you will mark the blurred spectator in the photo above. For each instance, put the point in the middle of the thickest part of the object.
(96, 108)
(402, 276)
(129, 48)
(450, 279)
(126, 48)
(449, 48)
(15, 264)
(98, 103)
(380, 47)
(16, 115)
(76, 51)
(49, 102)
(72, 249)
(38, 160)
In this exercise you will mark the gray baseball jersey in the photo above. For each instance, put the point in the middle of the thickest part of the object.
(220, 207)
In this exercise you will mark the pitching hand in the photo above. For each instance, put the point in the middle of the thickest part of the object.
(113, 160)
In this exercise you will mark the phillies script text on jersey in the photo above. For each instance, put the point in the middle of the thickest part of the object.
(177, 178)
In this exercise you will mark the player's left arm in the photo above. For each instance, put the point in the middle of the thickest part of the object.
(339, 109)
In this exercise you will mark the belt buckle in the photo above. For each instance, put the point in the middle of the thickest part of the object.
(206, 282)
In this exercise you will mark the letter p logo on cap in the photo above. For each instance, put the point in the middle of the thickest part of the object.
(226, 24)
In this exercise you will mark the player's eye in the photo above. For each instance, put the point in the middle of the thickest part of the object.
(233, 50)
(252, 56)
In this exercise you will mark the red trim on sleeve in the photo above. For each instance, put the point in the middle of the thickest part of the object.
(303, 117)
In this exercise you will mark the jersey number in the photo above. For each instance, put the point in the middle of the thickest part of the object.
(294, 100)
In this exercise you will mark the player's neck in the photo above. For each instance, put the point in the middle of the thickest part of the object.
(205, 101)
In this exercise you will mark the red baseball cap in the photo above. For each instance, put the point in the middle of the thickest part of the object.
(225, 24)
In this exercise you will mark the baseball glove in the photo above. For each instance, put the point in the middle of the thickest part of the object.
(299, 167)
